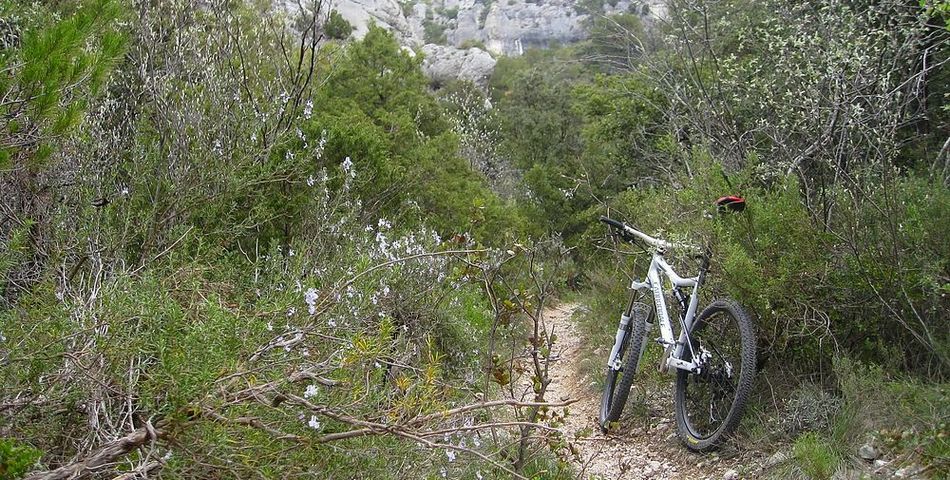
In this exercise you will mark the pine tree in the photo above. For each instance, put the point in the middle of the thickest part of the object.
(52, 64)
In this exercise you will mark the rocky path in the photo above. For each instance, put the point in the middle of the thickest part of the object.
(645, 447)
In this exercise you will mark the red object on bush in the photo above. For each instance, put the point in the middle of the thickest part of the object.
(731, 203)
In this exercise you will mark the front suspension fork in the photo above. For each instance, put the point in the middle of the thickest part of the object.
(614, 361)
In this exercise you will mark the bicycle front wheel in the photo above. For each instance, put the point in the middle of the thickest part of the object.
(617, 386)
(710, 404)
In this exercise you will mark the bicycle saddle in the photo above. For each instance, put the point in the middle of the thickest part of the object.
(730, 203)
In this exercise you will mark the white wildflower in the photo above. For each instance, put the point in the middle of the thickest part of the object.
(311, 181)
(348, 167)
(311, 391)
(310, 297)
(450, 454)
(314, 423)
(270, 327)
(308, 109)
(331, 323)
(323, 142)
(382, 241)
(291, 311)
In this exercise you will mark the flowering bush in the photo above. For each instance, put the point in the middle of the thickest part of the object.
(251, 252)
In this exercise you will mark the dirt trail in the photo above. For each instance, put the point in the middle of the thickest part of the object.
(645, 447)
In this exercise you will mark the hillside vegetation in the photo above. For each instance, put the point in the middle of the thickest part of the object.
(233, 245)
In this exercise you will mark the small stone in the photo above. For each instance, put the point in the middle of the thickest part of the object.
(845, 474)
(777, 458)
(879, 464)
(908, 471)
(730, 475)
(868, 452)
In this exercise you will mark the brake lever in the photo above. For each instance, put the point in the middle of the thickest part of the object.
(703, 258)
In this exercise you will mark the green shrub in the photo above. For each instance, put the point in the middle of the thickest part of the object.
(903, 415)
(188, 268)
(473, 43)
(337, 27)
(815, 457)
(406, 7)
(16, 459)
(451, 13)
(62, 60)
(434, 32)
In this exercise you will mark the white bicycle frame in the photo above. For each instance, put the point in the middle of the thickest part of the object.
(674, 347)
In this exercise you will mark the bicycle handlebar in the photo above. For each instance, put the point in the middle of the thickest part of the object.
(628, 230)
(612, 222)
(629, 233)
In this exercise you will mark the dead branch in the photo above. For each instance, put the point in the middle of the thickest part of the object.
(105, 455)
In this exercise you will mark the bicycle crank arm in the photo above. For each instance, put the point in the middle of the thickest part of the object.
(681, 365)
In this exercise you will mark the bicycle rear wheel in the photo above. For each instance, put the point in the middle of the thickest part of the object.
(710, 404)
(618, 383)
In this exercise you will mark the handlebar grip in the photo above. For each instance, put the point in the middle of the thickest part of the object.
(612, 222)
(621, 228)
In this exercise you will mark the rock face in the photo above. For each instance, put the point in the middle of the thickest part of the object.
(446, 63)
(505, 27)
(509, 27)
(385, 13)
(500, 27)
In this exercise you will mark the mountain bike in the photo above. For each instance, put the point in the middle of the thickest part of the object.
(713, 353)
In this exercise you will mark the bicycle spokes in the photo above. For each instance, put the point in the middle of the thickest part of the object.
(710, 393)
